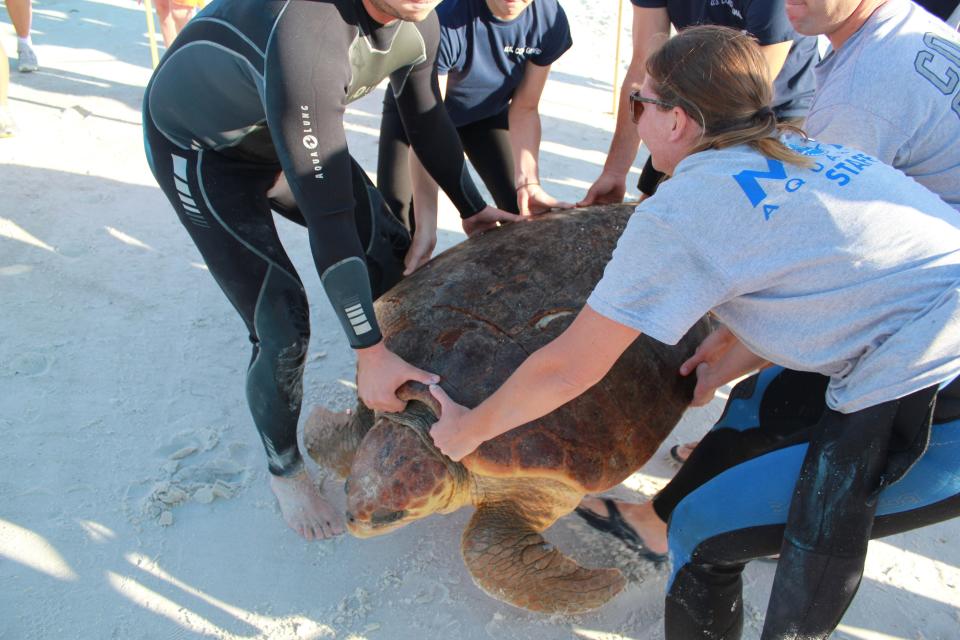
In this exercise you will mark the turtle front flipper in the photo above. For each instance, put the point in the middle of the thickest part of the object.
(332, 438)
(512, 562)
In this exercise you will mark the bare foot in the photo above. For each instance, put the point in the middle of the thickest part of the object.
(304, 508)
(641, 517)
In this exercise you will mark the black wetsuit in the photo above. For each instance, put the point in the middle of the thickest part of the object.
(782, 473)
(486, 143)
(251, 88)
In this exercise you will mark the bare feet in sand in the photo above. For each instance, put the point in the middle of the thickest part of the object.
(304, 508)
(641, 517)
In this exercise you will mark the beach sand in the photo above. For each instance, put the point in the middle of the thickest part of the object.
(133, 487)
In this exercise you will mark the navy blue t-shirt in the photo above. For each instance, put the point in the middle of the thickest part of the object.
(766, 20)
(484, 57)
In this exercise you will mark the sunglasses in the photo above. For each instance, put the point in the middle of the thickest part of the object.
(637, 101)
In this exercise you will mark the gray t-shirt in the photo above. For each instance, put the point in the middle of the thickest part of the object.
(849, 269)
(893, 90)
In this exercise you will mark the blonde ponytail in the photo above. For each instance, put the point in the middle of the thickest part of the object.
(733, 105)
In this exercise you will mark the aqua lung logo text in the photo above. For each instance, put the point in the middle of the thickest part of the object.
(310, 141)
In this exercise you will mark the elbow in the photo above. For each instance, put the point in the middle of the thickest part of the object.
(572, 377)
(577, 382)
(524, 111)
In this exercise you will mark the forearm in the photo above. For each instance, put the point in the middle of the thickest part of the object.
(555, 374)
(338, 255)
(737, 362)
(435, 141)
(525, 133)
(626, 142)
(650, 26)
(425, 192)
(541, 384)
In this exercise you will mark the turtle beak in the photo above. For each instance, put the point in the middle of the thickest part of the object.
(384, 517)
(381, 521)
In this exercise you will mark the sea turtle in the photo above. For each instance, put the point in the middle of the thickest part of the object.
(472, 315)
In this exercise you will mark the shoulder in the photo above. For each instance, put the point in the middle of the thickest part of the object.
(457, 13)
(769, 9)
(333, 23)
(429, 28)
(700, 173)
(713, 188)
(547, 10)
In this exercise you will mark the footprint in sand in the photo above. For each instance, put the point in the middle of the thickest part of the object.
(194, 467)
(29, 365)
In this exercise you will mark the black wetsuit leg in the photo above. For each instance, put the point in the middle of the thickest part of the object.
(222, 203)
(487, 145)
(735, 509)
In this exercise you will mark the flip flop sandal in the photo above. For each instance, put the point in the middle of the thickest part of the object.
(675, 454)
(615, 525)
(675, 451)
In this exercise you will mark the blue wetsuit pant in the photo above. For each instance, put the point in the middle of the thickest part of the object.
(221, 200)
(780, 473)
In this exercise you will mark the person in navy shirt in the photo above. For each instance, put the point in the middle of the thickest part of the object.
(495, 55)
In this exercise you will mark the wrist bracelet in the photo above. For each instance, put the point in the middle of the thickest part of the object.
(527, 184)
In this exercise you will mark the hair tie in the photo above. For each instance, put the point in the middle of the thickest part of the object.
(763, 113)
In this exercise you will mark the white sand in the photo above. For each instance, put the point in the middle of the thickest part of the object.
(133, 493)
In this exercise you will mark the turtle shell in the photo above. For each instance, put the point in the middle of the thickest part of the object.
(476, 312)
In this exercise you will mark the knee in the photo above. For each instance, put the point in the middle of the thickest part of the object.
(181, 13)
(288, 343)
(281, 318)
(684, 533)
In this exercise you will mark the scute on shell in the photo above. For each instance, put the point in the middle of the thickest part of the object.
(476, 312)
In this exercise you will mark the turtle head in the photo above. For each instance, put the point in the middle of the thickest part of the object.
(399, 476)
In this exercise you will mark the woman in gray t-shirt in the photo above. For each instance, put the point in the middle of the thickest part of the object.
(816, 258)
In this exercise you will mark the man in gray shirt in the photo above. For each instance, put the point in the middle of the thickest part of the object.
(889, 87)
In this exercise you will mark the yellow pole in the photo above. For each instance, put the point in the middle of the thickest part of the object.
(616, 60)
(154, 56)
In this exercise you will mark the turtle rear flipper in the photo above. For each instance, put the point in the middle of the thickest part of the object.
(512, 562)
(332, 437)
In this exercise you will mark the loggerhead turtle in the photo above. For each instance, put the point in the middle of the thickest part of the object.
(473, 315)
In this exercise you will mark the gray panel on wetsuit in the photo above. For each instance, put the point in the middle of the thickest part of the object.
(209, 78)
(349, 292)
(370, 66)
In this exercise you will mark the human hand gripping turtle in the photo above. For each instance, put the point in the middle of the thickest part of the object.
(452, 433)
(380, 372)
(424, 239)
(720, 358)
(533, 200)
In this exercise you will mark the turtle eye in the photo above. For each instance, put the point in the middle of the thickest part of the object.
(385, 516)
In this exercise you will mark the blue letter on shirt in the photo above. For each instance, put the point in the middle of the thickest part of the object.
(747, 179)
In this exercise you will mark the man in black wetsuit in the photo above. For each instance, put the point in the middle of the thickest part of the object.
(250, 98)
